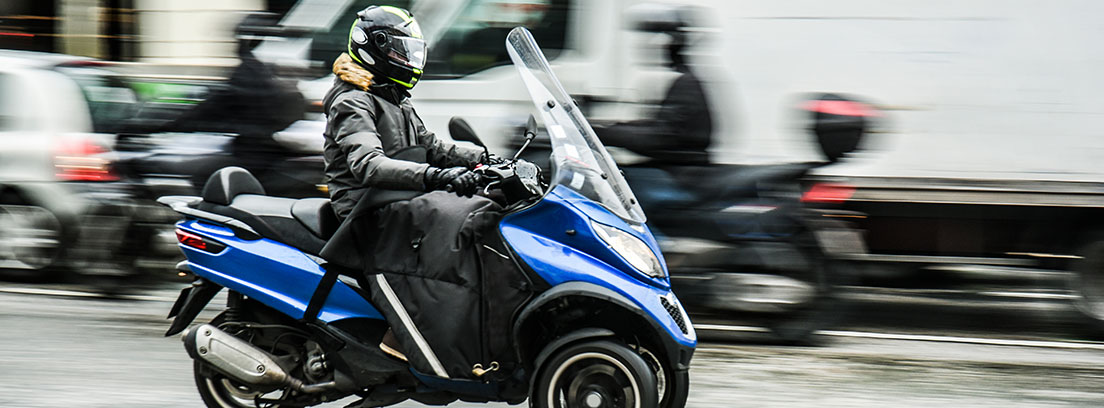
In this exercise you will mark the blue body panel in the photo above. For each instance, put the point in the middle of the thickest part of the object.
(272, 273)
(539, 236)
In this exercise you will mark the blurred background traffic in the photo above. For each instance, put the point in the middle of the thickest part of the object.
(795, 158)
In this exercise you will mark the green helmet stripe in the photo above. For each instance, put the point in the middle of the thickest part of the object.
(415, 29)
(398, 12)
(350, 44)
(408, 86)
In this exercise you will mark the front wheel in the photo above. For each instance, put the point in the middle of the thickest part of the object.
(672, 386)
(596, 374)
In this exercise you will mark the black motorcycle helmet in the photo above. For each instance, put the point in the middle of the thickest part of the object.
(387, 41)
(675, 21)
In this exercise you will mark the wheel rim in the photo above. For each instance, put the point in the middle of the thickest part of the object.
(660, 374)
(593, 380)
(232, 395)
(29, 237)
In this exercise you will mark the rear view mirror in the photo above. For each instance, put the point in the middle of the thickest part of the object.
(530, 134)
(531, 127)
(459, 129)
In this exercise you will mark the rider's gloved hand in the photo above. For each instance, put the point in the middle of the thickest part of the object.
(458, 180)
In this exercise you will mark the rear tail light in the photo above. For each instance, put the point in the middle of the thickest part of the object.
(80, 159)
(189, 239)
(840, 108)
(828, 193)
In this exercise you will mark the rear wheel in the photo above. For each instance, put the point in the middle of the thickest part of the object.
(823, 307)
(1087, 283)
(823, 276)
(791, 289)
(218, 391)
(596, 374)
(30, 238)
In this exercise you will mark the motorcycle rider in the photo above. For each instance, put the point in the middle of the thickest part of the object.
(680, 132)
(370, 122)
(370, 117)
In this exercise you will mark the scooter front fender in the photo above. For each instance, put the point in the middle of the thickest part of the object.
(678, 345)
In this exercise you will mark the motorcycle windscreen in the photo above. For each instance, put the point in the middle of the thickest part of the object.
(580, 161)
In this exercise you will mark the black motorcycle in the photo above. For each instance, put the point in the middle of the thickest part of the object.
(754, 242)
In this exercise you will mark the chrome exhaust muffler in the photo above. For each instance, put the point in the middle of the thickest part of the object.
(236, 358)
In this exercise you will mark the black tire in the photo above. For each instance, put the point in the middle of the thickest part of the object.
(826, 308)
(1087, 283)
(673, 387)
(217, 391)
(800, 325)
(595, 374)
(20, 222)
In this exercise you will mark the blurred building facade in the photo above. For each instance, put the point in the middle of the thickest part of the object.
(194, 32)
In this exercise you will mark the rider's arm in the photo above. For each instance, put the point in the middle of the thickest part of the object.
(443, 153)
(353, 127)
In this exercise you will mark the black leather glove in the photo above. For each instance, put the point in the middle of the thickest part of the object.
(458, 180)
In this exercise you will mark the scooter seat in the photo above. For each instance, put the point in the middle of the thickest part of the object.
(317, 215)
(305, 224)
(276, 218)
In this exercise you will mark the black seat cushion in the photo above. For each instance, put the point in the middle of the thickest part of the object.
(272, 218)
(317, 215)
(229, 182)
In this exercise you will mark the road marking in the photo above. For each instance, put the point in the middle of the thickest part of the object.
(920, 337)
(1030, 295)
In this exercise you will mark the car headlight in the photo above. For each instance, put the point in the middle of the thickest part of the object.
(634, 250)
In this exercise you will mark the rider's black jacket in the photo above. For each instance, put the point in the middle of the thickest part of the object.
(364, 128)
(679, 133)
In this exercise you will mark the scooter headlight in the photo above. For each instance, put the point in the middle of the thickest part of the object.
(634, 250)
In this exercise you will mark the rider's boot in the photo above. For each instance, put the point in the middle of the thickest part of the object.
(390, 345)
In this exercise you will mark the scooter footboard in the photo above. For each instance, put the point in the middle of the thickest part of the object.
(267, 271)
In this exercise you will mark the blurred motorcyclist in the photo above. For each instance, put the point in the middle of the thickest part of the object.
(370, 117)
(254, 104)
(680, 132)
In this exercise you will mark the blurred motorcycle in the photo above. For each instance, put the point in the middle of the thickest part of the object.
(752, 242)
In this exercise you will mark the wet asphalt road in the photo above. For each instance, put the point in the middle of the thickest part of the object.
(61, 349)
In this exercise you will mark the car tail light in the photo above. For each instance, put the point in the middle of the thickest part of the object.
(828, 193)
(80, 159)
(195, 241)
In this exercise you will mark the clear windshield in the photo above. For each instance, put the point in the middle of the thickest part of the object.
(580, 161)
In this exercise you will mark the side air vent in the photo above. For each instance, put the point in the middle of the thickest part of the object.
(675, 312)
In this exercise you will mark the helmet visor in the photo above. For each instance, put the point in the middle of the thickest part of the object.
(408, 51)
